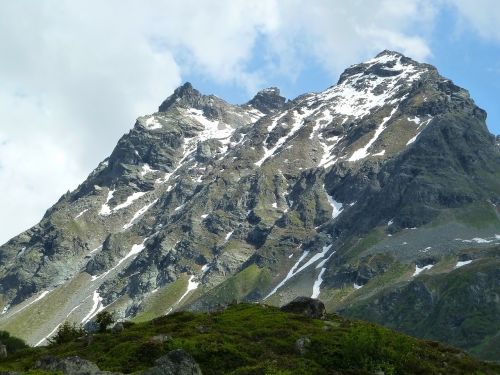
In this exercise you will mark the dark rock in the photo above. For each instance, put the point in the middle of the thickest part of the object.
(176, 362)
(310, 307)
(117, 328)
(268, 100)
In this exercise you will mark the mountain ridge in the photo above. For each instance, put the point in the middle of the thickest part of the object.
(205, 201)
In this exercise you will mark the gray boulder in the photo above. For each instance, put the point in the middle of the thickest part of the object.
(117, 328)
(70, 366)
(176, 362)
(302, 344)
(3, 351)
(310, 307)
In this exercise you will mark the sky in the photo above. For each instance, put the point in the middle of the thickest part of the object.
(74, 75)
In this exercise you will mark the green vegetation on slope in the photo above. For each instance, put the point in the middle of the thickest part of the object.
(259, 339)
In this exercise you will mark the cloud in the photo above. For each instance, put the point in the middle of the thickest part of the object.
(483, 16)
(75, 74)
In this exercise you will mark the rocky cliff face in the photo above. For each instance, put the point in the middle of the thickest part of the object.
(348, 194)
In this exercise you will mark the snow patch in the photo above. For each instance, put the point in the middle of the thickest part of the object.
(96, 307)
(134, 251)
(192, 285)
(130, 199)
(42, 295)
(139, 213)
(147, 169)
(463, 263)
(81, 213)
(418, 270)
(416, 120)
(297, 125)
(293, 271)
(336, 206)
(152, 123)
(317, 284)
(205, 268)
(356, 286)
(363, 152)
(229, 235)
(105, 209)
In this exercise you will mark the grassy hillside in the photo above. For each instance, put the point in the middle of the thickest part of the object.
(260, 339)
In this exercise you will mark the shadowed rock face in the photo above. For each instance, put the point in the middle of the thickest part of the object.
(310, 307)
(338, 194)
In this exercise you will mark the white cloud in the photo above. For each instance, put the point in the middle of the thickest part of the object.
(75, 74)
(482, 15)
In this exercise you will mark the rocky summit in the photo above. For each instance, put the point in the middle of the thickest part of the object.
(379, 195)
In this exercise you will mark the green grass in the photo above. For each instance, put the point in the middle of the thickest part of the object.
(478, 215)
(239, 286)
(259, 339)
(362, 244)
(158, 303)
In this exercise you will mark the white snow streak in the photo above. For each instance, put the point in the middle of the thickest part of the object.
(42, 295)
(317, 284)
(96, 307)
(463, 263)
(418, 270)
(299, 121)
(136, 249)
(192, 285)
(81, 213)
(229, 235)
(139, 213)
(294, 271)
(336, 206)
(130, 199)
(50, 334)
(105, 209)
(363, 152)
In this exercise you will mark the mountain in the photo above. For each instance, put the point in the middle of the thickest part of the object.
(380, 195)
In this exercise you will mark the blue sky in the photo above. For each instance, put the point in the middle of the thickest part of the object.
(459, 53)
(75, 74)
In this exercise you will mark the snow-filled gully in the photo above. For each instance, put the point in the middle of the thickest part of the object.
(296, 269)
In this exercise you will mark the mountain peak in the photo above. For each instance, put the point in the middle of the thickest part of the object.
(385, 64)
(389, 53)
(268, 100)
(186, 94)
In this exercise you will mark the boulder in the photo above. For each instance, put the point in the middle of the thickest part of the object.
(310, 307)
(161, 338)
(3, 351)
(70, 366)
(117, 328)
(176, 362)
(302, 344)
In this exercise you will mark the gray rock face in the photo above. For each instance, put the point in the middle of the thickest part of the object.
(70, 366)
(310, 307)
(204, 202)
(176, 362)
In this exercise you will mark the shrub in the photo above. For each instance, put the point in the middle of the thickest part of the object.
(67, 332)
(13, 343)
(104, 319)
